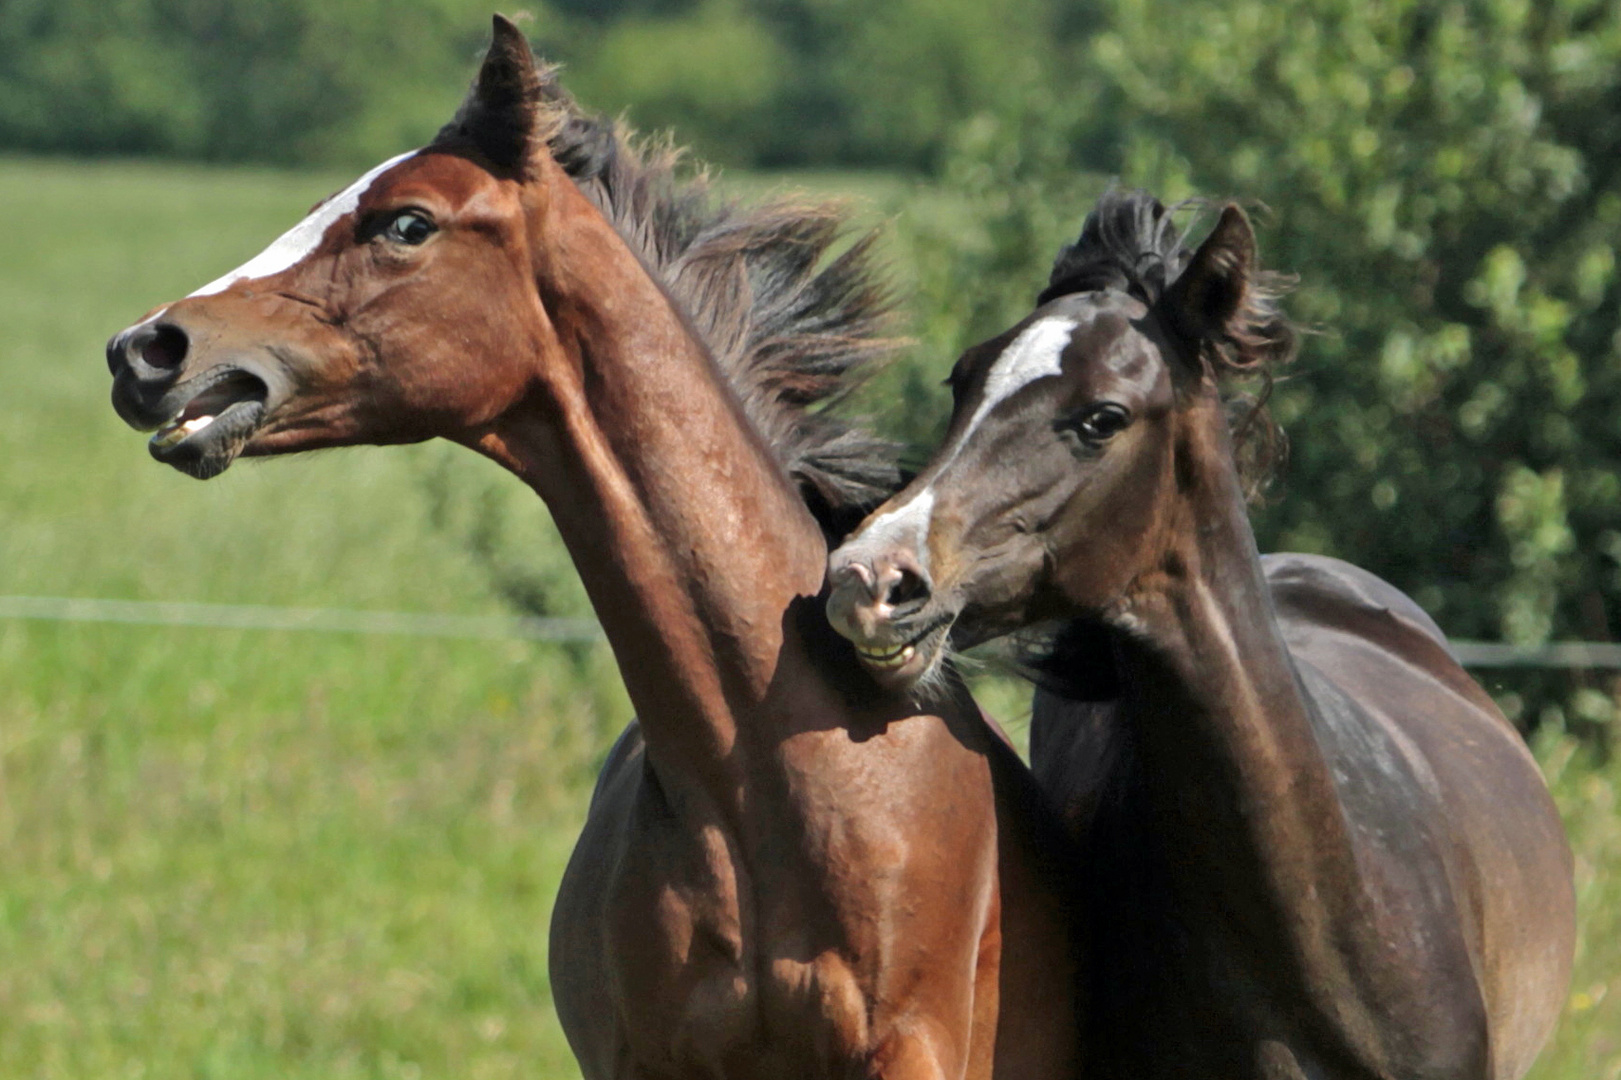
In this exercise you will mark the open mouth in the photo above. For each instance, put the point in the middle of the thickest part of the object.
(213, 427)
(899, 666)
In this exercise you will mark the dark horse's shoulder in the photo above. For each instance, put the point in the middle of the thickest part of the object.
(1362, 632)
(627, 750)
(1318, 588)
(1322, 601)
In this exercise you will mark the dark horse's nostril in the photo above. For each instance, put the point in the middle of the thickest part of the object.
(165, 349)
(909, 586)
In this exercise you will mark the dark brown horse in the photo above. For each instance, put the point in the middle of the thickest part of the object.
(786, 871)
(1313, 846)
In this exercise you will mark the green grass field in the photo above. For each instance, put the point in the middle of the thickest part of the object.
(242, 854)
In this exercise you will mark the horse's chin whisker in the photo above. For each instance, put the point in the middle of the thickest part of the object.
(941, 683)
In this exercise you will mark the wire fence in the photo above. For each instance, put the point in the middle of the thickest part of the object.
(1574, 655)
(328, 620)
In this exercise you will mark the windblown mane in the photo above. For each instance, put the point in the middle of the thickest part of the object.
(792, 331)
(1130, 242)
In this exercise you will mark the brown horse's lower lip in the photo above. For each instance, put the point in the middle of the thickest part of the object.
(204, 445)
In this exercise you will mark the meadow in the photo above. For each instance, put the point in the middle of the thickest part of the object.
(241, 854)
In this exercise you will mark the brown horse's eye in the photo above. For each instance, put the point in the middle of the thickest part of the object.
(1096, 423)
(410, 227)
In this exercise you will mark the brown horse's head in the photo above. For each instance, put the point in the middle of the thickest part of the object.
(1050, 492)
(320, 340)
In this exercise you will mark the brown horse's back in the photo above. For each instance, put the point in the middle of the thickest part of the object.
(1510, 873)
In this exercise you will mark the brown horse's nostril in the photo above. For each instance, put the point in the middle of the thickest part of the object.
(153, 353)
(165, 349)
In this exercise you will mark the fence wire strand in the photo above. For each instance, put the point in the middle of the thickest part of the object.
(1580, 655)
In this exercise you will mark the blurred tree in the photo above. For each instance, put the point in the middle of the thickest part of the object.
(345, 81)
(886, 83)
(268, 80)
(710, 70)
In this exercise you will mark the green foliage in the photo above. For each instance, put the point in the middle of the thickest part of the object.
(351, 81)
(269, 80)
(886, 83)
(711, 69)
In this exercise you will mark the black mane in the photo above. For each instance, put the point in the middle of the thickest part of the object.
(791, 330)
(1128, 242)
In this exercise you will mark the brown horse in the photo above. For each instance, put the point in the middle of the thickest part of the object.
(1312, 846)
(786, 871)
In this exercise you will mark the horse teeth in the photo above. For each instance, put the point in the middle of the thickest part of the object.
(168, 437)
(175, 433)
(886, 659)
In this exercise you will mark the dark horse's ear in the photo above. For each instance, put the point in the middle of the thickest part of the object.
(1208, 299)
(502, 112)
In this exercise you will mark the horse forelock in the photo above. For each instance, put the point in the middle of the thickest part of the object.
(1131, 243)
(791, 329)
(1128, 242)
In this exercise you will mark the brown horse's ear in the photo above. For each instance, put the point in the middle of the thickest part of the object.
(1208, 299)
(503, 112)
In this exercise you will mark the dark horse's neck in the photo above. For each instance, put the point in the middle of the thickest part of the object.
(690, 540)
(1240, 790)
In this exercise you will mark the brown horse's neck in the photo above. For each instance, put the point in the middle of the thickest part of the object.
(689, 538)
(1222, 722)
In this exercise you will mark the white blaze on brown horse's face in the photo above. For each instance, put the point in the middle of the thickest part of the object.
(296, 244)
(1052, 420)
(350, 327)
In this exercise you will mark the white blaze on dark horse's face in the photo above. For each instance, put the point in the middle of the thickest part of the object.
(1058, 426)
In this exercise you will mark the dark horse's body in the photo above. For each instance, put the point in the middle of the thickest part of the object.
(786, 871)
(1312, 846)
(1176, 999)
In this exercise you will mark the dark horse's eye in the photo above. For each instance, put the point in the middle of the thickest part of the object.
(411, 227)
(1096, 423)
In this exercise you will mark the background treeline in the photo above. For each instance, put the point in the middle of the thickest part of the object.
(749, 82)
(1444, 177)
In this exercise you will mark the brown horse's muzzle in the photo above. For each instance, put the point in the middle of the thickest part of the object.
(202, 413)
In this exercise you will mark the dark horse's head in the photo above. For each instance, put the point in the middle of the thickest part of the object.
(1053, 480)
(422, 300)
